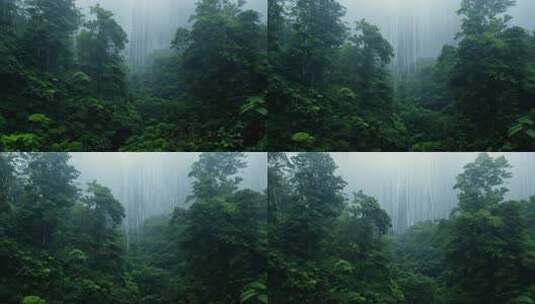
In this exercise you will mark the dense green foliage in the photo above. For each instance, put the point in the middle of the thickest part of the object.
(481, 93)
(212, 83)
(327, 83)
(212, 252)
(59, 244)
(324, 248)
(64, 85)
(331, 88)
(307, 242)
(484, 251)
(328, 249)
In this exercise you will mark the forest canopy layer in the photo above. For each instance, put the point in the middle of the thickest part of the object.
(304, 240)
(326, 247)
(307, 79)
(332, 86)
(64, 85)
(64, 244)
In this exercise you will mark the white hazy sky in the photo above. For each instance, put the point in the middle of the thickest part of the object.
(108, 168)
(437, 11)
(413, 187)
(174, 11)
(150, 184)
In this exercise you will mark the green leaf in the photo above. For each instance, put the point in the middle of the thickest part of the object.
(33, 300)
(531, 133)
(255, 103)
(39, 119)
(514, 130)
(303, 137)
(245, 296)
(526, 121)
(258, 285)
(262, 111)
(263, 299)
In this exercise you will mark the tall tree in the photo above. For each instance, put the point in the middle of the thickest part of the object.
(318, 30)
(316, 182)
(277, 33)
(48, 39)
(102, 214)
(6, 181)
(224, 240)
(318, 201)
(487, 251)
(99, 53)
(279, 192)
(215, 174)
(360, 264)
(226, 49)
(490, 77)
(481, 183)
(330, 88)
(224, 246)
(478, 16)
(362, 68)
(8, 64)
(49, 192)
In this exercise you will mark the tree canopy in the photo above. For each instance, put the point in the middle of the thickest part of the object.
(333, 86)
(482, 252)
(66, 86)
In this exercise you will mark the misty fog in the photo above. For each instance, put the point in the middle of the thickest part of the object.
(413, 187)
(418, 29)
(149, 184)
(151, 24)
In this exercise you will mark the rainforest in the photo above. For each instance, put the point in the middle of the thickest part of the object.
(401, 75)
(332, 243)
(73, 79)
(277, 75)
(218, 228)
(154, 236)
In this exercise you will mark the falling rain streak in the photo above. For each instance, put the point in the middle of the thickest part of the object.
(418, 29)
(151, 24)
(414, 187)
(149, 184)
